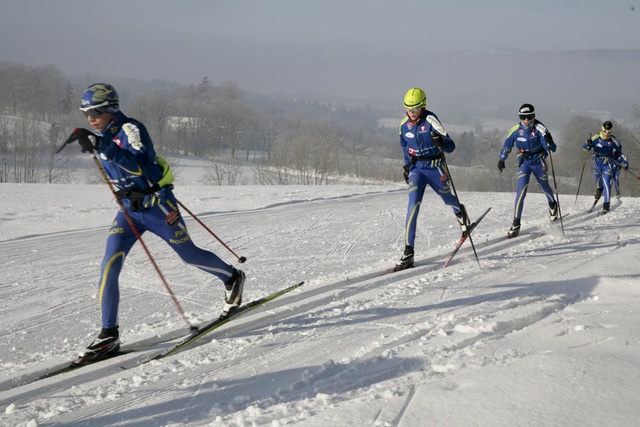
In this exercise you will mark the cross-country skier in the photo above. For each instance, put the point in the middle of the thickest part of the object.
(532, 142)
(424, 140)
(607, 155)
(144, 186)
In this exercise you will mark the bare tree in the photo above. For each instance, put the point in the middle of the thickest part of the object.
(222, 171)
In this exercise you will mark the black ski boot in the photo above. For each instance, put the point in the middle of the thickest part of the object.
(463, 220)
(515, 228)
(553, 210)
(605, 208)
(233, 292)
(407, 259)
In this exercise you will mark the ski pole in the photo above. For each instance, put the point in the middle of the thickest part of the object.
(455, 193)
(632, 174)
(586, 155)
(555, 187)
(135, 232)
(241, 259)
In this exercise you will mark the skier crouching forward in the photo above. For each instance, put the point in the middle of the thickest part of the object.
(532, 141)
(424, 140)
(143, 182)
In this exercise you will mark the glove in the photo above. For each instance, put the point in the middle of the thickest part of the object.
(437, 139)
(588, 144)
(135, 199)
(83, 137)
(406, 171)
(501, 165)
(550, 142)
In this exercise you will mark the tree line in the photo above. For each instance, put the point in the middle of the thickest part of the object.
(284, 139)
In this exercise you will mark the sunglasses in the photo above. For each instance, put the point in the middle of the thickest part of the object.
(95, 111)
(414, 110)
(526, 118)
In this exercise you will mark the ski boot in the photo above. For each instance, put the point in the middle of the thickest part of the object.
(233, 292)
(463, 220)
(553, 210)
(605, 208)
(515, 228)
(106, 345)
(407, 259)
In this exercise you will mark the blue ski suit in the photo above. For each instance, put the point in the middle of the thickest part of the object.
(532, 150)
(426, 166)
(143, 181)
(616, 166)
(607, 154)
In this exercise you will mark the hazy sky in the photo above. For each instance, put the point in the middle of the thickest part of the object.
(337, 45)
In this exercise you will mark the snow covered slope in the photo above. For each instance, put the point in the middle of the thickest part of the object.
(542, 332)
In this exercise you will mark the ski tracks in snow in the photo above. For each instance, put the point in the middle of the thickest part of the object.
(386, 334)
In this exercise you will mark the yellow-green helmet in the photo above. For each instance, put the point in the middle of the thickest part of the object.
(415, 98)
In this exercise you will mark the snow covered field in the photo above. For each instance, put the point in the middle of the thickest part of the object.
(543, 333)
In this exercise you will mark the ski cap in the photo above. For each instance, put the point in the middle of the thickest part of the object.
(100, 97)
(527, 112)
(607, 126)
(415, 98)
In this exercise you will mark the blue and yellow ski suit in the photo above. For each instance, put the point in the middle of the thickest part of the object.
(607, 153)
(426, 166)
(127, 156)
(532, 150)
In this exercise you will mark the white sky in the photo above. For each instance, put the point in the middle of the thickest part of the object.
(187, 40)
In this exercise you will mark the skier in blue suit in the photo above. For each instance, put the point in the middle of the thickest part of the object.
(532, 142)
(143, 182)
(424, 140)
(607, 155)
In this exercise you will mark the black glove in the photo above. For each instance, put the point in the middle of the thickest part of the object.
(83, 137)
(589, 143)
(135, 197)
(550, 142)
(437, 139)
(501, 165)
(406, 168)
